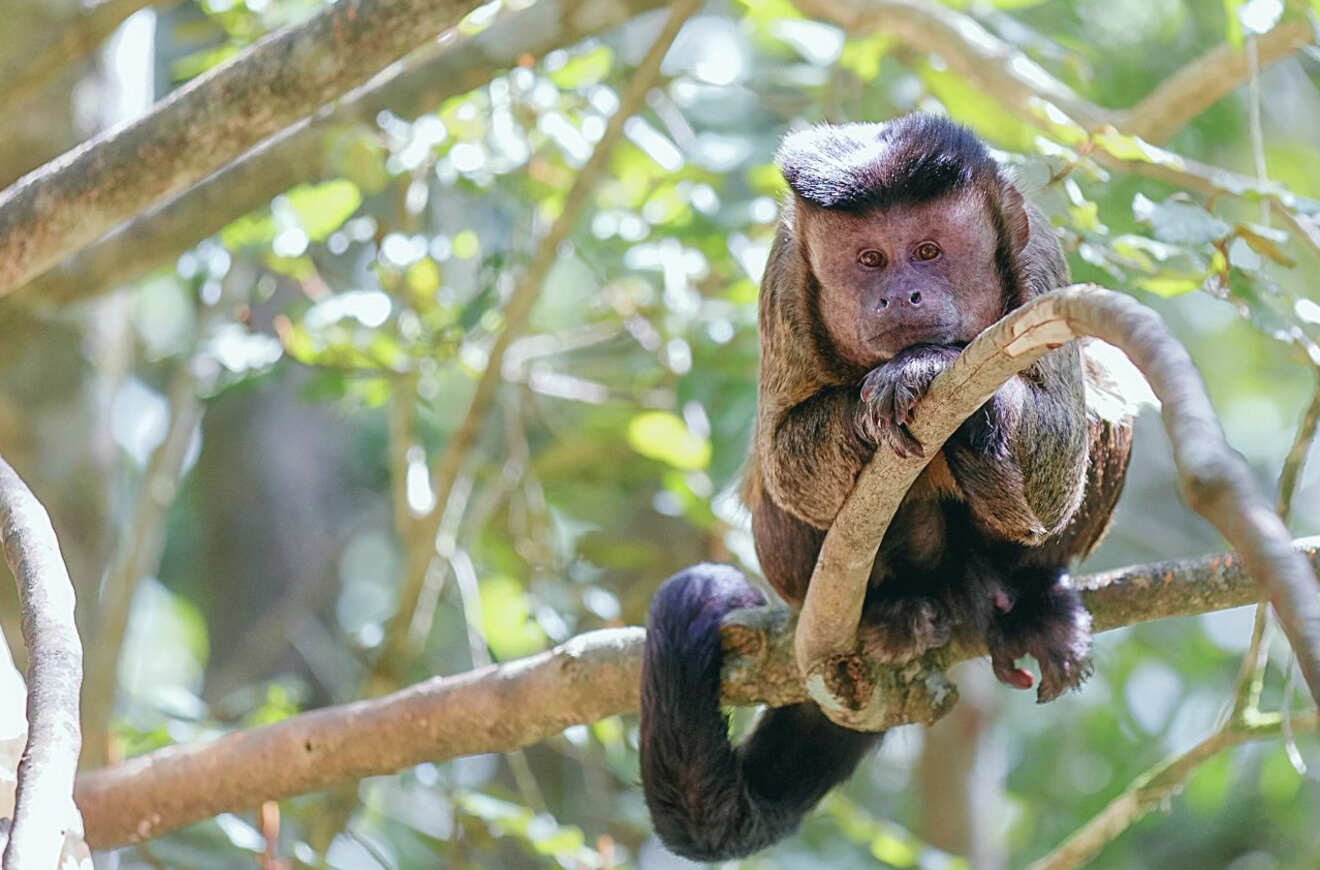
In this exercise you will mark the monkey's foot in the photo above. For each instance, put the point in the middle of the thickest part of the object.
(1054, 628)
(900, 630)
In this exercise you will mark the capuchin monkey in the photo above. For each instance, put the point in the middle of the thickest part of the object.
(899, 243)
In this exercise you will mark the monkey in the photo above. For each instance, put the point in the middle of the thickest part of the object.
(898, 243)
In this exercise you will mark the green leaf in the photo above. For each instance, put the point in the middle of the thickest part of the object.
(506, 617)
(664, 436)
(862, 57)
(969, 105)
(893, 851)
(467, 245)
(1179, 222)
(1168, 286)
(253, 229)
(585, 70)
(322, 208)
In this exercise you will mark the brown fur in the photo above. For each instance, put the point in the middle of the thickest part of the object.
(1051, 484)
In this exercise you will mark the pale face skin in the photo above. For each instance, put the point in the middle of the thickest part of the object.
(904, 276)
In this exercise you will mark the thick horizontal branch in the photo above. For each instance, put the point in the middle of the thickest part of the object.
(1206, 80)
(1215, 480)
(456, 64)
(516, 704)
(44, 797)
(73, 200)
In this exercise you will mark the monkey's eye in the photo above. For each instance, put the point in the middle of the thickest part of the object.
(871, 259)
(927, 251)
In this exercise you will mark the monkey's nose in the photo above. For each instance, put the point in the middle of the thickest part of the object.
(913, 298)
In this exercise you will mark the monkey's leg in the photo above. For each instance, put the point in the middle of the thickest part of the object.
(1043, 616)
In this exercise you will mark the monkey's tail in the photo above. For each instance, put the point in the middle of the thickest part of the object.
(709, 800)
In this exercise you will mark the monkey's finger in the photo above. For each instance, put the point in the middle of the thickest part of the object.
(1010, 674)
(911, 445)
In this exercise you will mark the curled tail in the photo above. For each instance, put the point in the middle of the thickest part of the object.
(709, 800)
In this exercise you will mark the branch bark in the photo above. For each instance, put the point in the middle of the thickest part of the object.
(1215, 480)
(44, 800)
(518, 703)
(1206, 80)
(73, 200)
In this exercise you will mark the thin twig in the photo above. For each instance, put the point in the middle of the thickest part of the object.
(44, 807)
(138, 557)
(1155, 786)
(516, 311)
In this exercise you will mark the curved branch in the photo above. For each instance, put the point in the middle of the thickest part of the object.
(73, 200)
(44, 799)
(518, 703)
(1215, 481)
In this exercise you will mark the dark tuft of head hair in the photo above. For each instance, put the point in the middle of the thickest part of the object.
(907, 161)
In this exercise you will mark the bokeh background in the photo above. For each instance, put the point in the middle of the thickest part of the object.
(284, 351)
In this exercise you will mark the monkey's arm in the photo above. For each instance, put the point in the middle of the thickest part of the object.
(809, 455)
(1021, 459)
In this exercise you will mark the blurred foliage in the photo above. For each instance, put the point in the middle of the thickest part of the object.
(613, 454)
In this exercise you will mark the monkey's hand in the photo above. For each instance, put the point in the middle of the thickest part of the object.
(892, 390)
(896, 631)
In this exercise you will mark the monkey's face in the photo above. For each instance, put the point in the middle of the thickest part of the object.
(903, 276)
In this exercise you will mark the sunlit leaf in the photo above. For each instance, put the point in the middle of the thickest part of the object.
(893, 851)
(422, 279)
(1168, 286)
(507, 618)
(664, 436)
(257, 228)
(969, 105)
(862, 56)
(322, 208)
(585, 69)
(467, 245)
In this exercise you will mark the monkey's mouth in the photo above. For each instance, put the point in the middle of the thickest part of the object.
(894, 337)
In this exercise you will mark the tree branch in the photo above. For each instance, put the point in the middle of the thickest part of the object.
(518, 703)
(1215, 479)
(1154, 788)
(73, 200)
(1203, 82)
(463, 62)
(454, 64)
(43, 808)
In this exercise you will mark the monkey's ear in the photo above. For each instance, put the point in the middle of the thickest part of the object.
(1015, 215)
